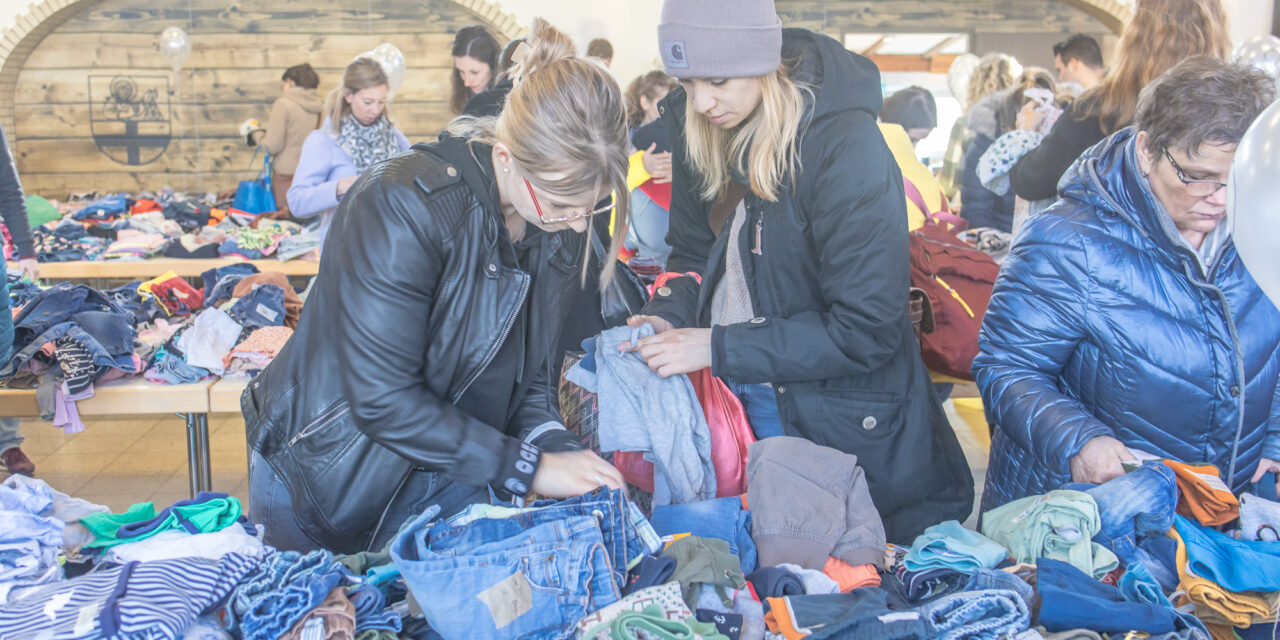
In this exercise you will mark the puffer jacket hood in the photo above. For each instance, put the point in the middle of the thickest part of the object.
(308, 99)
(1107, 177)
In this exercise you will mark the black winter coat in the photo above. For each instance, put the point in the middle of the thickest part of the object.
(979, 205)
(418, 289)
(830, 288)
(1036, 175)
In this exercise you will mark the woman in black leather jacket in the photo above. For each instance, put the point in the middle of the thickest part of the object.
(419, 375)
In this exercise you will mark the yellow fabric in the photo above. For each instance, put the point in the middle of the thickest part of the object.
(1215, 605)
(975, 418)
(913, 170)
(636, 173)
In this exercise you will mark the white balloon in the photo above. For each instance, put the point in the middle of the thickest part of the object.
(1261, 52)
(392, 61)
(175, 47)
(1253, 200)
(958, 75)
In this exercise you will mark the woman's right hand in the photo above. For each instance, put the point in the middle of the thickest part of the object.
(573, 473)
(1101, 459)
(660, 325)
(344, 184)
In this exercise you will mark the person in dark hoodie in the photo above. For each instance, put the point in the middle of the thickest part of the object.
(787, 212)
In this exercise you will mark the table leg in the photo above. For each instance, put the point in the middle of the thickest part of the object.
(193, 449)
(206, 471)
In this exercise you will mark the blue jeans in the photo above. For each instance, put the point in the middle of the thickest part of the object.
(502, 578)
(1136, 510)
(722, 518)
(648, 231)
(622, 541)
(10, 437)
(761, 407)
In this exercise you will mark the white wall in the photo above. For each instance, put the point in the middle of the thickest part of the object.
(1249, 18)
(9, 10)
(631, 25)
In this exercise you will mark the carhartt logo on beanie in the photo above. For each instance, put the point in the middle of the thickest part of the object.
(720, 38)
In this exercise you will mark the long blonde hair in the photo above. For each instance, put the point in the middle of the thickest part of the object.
(765, 147)
(565, 116)
(363, 73)
(1161, 34)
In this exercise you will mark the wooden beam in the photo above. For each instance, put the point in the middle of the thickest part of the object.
(946, 42)
(875, 46)
(1275, 19)
(1110, 13)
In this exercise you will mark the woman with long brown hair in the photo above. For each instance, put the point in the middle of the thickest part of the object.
(357, 133)
(1161, 34)
(419, 374)
(475, 65)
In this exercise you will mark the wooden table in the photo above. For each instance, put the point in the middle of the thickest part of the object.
(147, 269)
(137, 396)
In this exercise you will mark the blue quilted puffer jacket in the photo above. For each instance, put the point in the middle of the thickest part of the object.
(1103, 323)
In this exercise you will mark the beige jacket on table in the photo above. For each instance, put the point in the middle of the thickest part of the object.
(293, 116)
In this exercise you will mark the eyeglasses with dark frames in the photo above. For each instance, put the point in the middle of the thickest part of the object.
(570, 218)
(1196, 188)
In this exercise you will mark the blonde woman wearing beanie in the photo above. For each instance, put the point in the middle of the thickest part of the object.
(789, 206)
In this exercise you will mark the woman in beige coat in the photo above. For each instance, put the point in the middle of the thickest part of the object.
(293, 116)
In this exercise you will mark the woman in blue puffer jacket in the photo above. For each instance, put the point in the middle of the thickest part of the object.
(1123, 320)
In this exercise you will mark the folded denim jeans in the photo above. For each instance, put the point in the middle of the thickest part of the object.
(1136, 510)
(995, 579)
(505, 578)
(971, 615)
(722, 518)
(628, 536)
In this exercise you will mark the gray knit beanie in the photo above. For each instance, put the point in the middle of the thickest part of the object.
(720, 38)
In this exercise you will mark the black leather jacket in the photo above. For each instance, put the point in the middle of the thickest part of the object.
(418, 289)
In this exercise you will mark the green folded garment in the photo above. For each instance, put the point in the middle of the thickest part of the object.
(1058, 525)
(41, 211)
(204, 517)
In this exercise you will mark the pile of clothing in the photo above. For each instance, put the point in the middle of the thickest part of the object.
(117, 226)
(69, 337)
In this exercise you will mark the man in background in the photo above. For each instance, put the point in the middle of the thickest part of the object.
(1078, 60)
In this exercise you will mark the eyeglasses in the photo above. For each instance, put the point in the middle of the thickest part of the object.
(569, 218)
(1196, 188)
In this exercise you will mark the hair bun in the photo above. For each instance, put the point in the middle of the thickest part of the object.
(545, 46)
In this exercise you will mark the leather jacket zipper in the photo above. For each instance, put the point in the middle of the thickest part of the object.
(506, 331)
(323, 420)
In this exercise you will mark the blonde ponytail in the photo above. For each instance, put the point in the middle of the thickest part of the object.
(565, 117)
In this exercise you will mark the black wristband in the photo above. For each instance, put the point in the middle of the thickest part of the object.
(519, 464)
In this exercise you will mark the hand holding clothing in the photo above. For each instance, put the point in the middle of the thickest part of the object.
(30, 268)
(1265, 466)
(676, 351)
(573, 473)
(1099, 460)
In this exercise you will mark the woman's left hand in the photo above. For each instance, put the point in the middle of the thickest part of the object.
(1265, 466)
(676, 351)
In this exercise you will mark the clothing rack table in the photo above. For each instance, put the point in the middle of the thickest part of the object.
(137, 396)
(147, 269)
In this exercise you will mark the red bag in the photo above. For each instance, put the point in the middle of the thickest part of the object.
(730, 436)
(958, 280)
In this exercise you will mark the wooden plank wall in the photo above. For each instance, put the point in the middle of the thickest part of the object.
(837, 17)
(239, 51)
